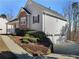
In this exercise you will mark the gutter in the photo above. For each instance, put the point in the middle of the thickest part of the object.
(54, 16)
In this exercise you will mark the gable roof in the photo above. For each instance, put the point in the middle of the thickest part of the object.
(13, 21)
(52, 12)
(16, 19)
(26, 10)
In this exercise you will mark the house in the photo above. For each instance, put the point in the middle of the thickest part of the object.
(37, 17)
(3, 24)
(12, 25)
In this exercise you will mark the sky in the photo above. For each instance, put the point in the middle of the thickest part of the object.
(12, 7)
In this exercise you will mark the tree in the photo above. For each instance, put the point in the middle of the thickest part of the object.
(10, 14)
(3, 16)
(70, 13)
(75, 8)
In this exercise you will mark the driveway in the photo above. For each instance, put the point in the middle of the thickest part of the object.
(67, 48)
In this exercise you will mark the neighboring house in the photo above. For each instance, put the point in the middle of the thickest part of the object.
(37, 17)
(3, 24)
(12, 25)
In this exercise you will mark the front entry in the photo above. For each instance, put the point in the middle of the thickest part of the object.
(23, 20)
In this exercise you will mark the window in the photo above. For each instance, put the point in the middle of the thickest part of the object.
(23, 20)
(36, 19)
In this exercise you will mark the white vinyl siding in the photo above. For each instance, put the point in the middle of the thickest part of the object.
(35, 24)
(3, 27)
(53, 26)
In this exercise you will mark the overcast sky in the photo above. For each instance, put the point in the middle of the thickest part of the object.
(13, 6)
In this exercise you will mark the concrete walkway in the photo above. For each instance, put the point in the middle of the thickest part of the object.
(16, 49)
(3, 47)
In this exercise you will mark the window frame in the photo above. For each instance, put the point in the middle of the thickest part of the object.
(36, 19)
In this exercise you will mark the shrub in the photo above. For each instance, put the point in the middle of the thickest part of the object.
(34, 36)
(29, 39)
(37, 34)
(19, 32)
(24, 41)
(38, 37)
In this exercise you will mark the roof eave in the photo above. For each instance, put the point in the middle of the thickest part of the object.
(61, 18)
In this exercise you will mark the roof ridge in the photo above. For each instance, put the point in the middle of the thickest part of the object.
(51, 11)
(47, 8)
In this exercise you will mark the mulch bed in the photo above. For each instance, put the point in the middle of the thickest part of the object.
(17, 39)
(33, 48)
(36, 48)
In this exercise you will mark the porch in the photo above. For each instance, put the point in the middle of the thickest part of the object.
(12, 25)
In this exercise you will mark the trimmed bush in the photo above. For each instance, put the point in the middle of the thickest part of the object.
(39, 34)
(36, 34)
(19, 32)
(24, 41)
(29, 39)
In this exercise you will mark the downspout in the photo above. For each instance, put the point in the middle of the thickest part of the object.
(26, 22)
(6, 28)
(29, 22)
(43, 23)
